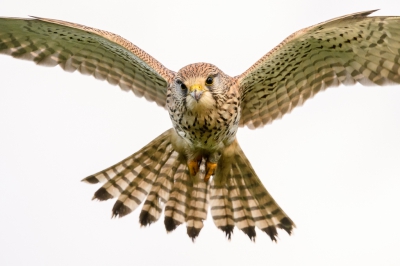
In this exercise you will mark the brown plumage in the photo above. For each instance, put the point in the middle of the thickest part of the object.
(206, 107)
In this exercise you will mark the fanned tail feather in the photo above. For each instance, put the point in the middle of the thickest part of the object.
(266, 212)
(140, 186)
(221, 208)
(198, 207)
(244, 201)
(178, 203)
(158, 175)
(160, 192)
(132, 178)
(240, 196)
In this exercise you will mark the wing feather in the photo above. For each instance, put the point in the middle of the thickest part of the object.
(346, 50)
(98, 53)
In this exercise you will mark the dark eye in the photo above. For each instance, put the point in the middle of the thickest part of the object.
(183, 86)
(209, 81)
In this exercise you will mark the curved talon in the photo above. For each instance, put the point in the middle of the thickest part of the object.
(210, 170)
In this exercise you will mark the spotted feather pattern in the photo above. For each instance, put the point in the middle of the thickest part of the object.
(98, 53)
(346, 50)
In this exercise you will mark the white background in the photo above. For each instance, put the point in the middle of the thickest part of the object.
(333, 164)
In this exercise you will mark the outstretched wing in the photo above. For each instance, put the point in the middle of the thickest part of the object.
(345, 50)
(102, 54)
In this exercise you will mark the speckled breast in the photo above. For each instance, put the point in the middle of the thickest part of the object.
(210, 128)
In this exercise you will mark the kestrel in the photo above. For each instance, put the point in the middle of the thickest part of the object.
(206, 106)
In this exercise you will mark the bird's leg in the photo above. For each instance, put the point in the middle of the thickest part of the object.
(210, 170)
(194, 165)
(211, 165)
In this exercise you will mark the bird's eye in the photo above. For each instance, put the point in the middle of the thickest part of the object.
(209, 81)
(180, 84)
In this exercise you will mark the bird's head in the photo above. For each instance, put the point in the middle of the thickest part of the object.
(198, 86)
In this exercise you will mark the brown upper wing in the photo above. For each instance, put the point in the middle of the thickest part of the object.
(345, 50)
(102, 54)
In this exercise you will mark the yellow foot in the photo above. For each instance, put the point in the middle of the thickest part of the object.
(194, 166)
(210, 170)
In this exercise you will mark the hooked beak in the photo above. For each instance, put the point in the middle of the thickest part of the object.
(196, 91)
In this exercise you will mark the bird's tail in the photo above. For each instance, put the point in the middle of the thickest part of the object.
(237, 197)
(159, 176)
